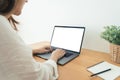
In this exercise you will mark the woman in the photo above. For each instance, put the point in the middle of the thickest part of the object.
(16, 60)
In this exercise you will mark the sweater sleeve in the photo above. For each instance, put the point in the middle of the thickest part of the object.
(17, 60)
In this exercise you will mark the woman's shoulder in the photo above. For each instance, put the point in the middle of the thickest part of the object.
(2, 17)
(3, 21)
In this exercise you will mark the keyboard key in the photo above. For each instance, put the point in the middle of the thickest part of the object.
(67, 54)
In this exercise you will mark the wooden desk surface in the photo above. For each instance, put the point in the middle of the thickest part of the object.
(77, 68)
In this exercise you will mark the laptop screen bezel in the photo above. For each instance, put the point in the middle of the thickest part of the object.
(53, 47)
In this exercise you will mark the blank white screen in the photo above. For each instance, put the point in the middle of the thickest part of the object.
(67, 38)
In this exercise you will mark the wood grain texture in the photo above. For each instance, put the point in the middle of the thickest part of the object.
(77, 68)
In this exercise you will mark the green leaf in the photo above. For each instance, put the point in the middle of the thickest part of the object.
(112, 34)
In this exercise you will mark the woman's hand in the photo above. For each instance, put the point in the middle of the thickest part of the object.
(57, 54)
(40, 47)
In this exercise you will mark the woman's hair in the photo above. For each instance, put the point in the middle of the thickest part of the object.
(5, 7)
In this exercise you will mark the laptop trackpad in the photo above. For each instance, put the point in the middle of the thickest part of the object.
(64, 60)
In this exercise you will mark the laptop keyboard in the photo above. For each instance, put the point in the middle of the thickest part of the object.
(68, 54)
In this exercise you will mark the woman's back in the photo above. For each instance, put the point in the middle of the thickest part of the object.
(16, 61)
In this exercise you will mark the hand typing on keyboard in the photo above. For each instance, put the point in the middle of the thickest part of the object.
(57, 54)
(40, 47)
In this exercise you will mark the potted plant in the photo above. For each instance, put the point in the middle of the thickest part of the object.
(112, 35)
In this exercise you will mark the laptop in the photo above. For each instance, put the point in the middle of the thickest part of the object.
(68, 38)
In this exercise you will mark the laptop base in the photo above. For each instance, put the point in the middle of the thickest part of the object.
(61, 61)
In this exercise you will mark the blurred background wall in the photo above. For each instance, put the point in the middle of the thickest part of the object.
(40, 16)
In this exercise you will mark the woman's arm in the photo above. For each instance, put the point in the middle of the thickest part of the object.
(16, 59)
(17, 62)
(40, 47)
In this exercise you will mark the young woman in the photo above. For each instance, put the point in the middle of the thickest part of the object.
(16, 60)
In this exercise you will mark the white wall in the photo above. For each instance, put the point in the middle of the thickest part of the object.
(39, 17)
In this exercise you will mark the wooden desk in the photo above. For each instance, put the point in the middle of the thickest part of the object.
(77, 68)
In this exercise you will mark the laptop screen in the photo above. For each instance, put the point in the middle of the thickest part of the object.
(69, 38)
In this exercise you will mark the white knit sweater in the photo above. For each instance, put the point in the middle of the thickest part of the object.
(16, 60)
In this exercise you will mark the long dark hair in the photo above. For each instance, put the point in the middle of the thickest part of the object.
(5, 7)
